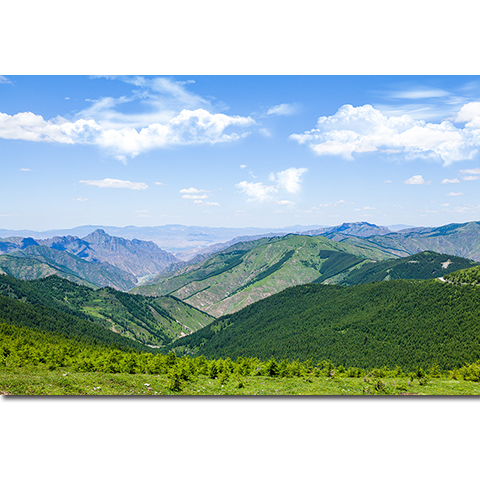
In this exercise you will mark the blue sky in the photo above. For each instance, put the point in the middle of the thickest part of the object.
(236, 151)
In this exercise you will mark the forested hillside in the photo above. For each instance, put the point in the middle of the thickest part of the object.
(421, 266)
(151, 321)
(469, 276)
(405, 323)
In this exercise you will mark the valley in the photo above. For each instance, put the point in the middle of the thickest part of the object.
(357, 295)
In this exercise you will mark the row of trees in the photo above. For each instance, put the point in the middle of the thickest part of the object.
(23, 347)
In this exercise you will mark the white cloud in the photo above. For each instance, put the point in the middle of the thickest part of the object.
(362, 129)
(421, 93)
(289, 179)
(469, 112)
(470, 177)
(113, 183)
(209, 204)
(256, 191)
(284, 202)
(188, 127)
(471, 171)
(445, 205)
(335, 204)
(454, 194)
(387, 181)
(24, 170)
(160, 183)
(4, 79)
(448, 180)
(415, 180)
(195, 194)
(81, 199)
(283, 109)
(243, 166)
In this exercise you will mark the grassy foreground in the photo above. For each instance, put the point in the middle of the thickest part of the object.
(41, 381)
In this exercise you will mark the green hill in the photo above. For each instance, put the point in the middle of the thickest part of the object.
(405, 323)
(151, 321)
(420, 266)
(46, 319)
(469, 276)
(249, 271)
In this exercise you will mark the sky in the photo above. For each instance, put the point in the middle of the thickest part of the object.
(238, 151)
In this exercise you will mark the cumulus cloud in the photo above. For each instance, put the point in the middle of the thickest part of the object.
(470, 177)
(188, 127)
(448, 180)
(289, 179)
(352, 130)
(195, 194)
(416, 180)
(284, 202)
(471, 171)
(113, 183)
(454, 194)
(81, 199)
(256, 191)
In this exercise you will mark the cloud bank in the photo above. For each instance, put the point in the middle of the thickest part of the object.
(352, 130)
(187, 128)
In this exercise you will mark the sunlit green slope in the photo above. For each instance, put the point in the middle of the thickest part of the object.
(250, 271)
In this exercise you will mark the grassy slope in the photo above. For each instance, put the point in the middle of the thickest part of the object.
(33, 362)
(393, 323)
(250, 271)
(154, 321)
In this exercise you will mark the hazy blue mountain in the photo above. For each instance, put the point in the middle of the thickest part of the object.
(100, 274)
(459, 239)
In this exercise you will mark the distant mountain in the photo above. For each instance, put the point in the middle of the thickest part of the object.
(357, 229)
(173, 238)
(461, 240)
(150, 321)
(34, 269)
(99, 274)
(248, 271)
(420, 266)
(136, 257)
(406, 323)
